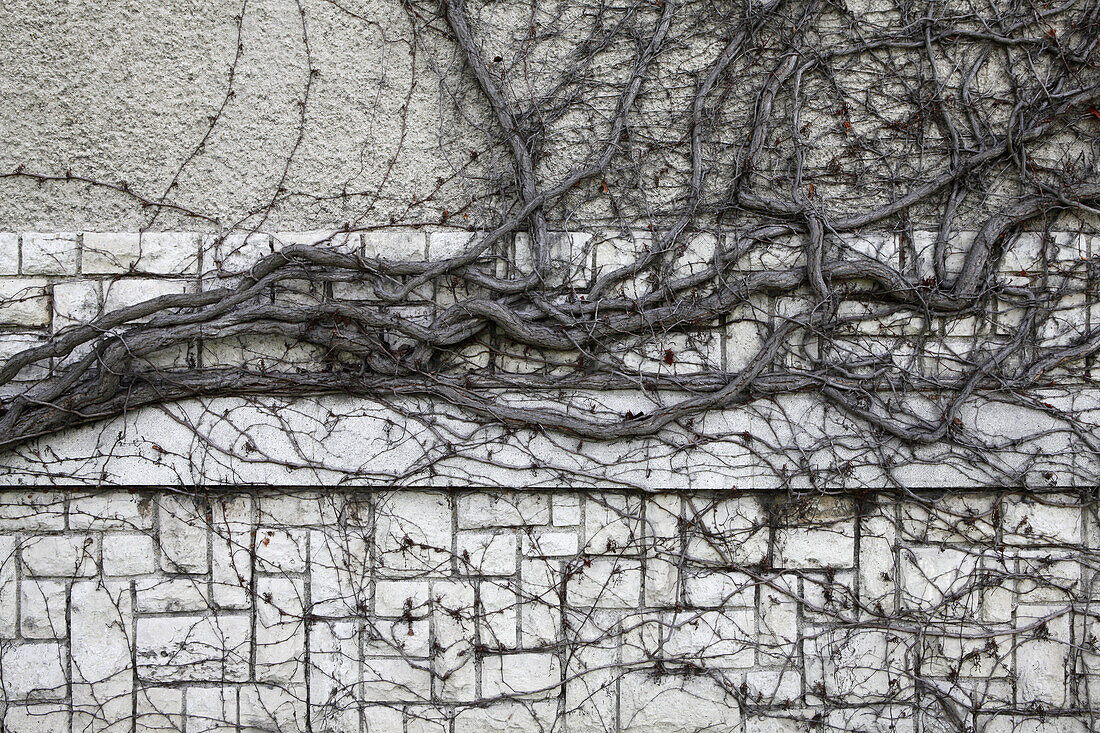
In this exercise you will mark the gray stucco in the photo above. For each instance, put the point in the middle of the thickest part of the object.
(124, 91)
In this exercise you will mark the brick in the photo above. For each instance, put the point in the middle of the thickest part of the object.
(42, 606)
(154, 253)
(24, 302)
(477, 510)
(399, 245)
(112, 510)
(183, 536)
(487, 554)
(102, 675)
(50, 253)
(171, 595)
(34, 671)
(128, 553)
(198, 648)
(74, 555)
(9, 253)
(280, 635)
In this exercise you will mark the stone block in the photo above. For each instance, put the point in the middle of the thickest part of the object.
(66, 556)
(710, 639)
(9, 587)
(42, 607)
(803, 547)
(231, 557)
(280, 550)
(570, 256)
(211, 709)
(483, 509)
(183, 535)
(400, 245)
(102, 675)
(567, 510)
(193, 648)
(393, 598)
(340, 572)
(128, 553)
(36, 718)
(520, 674)
(28, 511)
(497, 616)
(487, 554)
(606, 583)
(612, 524)
(726, 531)
(454, 621)
(153, 253)
(350, 242)
(171, 595)
(280, 634)
(708, 588)
(334, 676)
(1052, 520)
(126, 510)
(50, 253)
(540, 543)
(127, 291)
(34, 671)
(270, 708)
(235, 253)
(413, 532)
(24, 301)
(15, 343)
(392, 679)
(76, 302)
(674, 704)
(9, 253)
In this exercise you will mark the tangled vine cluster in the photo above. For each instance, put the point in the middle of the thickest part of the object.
(889, 206)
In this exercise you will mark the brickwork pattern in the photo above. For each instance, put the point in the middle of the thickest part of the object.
(460, 611)
(50, 281)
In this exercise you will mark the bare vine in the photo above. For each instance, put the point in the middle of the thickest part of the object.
(723, 160)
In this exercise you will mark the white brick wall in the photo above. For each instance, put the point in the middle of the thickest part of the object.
(533, 611)
(50, 281)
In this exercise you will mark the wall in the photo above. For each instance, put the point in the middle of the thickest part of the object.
(536, 611)
(50, 281)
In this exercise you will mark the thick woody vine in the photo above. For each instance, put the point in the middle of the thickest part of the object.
(955, 136)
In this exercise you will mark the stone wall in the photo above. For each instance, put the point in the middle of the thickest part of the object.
(470, 611)
(50, 281)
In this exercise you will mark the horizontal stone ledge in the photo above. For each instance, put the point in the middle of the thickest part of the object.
(788, 442)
